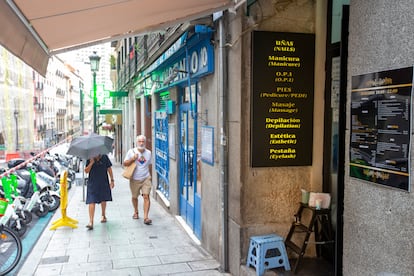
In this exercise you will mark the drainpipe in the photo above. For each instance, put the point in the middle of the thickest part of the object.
(223, 158)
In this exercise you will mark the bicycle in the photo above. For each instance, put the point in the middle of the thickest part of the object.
(10, 249)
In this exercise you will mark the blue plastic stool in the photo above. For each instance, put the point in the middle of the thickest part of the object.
(266, 252)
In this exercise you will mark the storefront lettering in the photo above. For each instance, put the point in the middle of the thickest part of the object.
(284, 46)
(198, 62)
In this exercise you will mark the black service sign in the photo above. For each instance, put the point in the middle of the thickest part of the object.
(282, 99)
(381, 127)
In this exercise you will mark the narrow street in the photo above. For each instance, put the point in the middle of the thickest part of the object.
(122, 246)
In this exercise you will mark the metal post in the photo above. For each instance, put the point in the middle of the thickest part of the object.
(16, 118)
(94, 61)
(85, 180)
(94, 102)
(81, 115)
(223, 154)
(52, 125)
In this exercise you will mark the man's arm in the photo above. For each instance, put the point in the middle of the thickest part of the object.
(128, 161)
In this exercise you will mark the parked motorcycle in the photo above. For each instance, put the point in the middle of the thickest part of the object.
(35, 203)
(63, 164)
(31, 198)
(48, 193)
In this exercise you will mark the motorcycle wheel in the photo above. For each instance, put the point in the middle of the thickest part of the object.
(26, 217)
(40, 213)
(21, 231)
(52, 201)
(56, 186)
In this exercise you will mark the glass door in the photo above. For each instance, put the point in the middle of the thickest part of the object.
(190, 197)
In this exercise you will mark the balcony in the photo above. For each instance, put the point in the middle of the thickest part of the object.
(39, 107)
(39, 85)
(60, 92)
(146, 50)
(61, 112)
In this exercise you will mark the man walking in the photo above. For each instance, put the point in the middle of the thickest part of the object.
(140, 182)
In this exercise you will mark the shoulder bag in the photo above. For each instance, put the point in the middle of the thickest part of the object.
(129, 170)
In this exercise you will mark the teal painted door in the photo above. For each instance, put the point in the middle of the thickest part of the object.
(190, 196)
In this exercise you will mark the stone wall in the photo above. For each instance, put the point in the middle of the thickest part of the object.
(378, 224)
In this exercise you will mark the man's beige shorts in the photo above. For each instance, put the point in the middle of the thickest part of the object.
(140, 187)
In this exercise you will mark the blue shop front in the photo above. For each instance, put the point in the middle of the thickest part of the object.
(172, 85)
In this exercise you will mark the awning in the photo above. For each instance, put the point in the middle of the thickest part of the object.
(34, 30)
(110, 111)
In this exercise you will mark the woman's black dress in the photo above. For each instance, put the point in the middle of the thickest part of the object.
(98, 189)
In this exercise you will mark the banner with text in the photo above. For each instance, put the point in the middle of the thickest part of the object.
(282, 99)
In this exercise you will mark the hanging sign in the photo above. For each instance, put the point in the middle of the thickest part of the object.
(282, 99)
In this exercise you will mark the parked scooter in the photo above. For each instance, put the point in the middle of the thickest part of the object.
(62, 164)
(35, 204)
(18, 200)
(46, 165)
(11, 218)
(31, 201)
(48, 194)
(44, 184)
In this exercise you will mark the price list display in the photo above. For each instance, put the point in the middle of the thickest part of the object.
(282, 99)
(381, 127)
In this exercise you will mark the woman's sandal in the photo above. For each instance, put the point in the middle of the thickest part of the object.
(147, 221)
(103, 219)
(135, 216)
(89, 226)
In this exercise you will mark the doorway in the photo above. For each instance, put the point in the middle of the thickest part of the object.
(335, 123)
(190, 196)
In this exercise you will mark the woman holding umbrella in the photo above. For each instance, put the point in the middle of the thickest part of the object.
(99, 186)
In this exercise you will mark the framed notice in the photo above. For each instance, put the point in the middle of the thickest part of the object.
(162, 162)
(282, 99)
(207, 144)
(381, 127)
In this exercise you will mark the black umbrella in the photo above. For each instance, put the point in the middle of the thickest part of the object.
(91, 145)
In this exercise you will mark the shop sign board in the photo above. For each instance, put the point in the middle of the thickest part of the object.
(193, 60)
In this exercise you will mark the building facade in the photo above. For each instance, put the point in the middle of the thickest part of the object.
(245, 109)
(39, 112)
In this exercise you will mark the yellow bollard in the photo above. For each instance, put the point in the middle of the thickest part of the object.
(64, 220)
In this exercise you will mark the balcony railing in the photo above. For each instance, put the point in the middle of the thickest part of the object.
(145, 47)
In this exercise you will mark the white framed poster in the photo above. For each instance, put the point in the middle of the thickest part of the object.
(171, 140)
(207, 144)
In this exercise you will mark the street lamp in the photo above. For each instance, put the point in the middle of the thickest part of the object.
(94, 61)
(81, 110)
(16, 118)
(52, 125)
